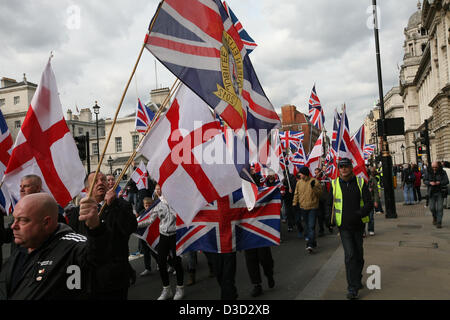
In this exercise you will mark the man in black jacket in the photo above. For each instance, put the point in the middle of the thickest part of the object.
(436, 181)
(351, 201)
(52, 262)
(111, 280)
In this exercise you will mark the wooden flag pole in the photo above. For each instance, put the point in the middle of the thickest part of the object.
(121, 102)
(157, 115)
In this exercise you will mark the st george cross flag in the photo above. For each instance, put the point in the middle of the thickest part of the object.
(144, 116)
(140, 175)
(186, 151)
(6, 143)
(45, 147)
(198, 42)
(227, 226)
(316, 116)
(249, 43)
(315, 155)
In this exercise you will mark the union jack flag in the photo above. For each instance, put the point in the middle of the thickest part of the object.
(6, 144)
(291, 139)
(349, 149)
(190, 37)
(368, 150)
(249, 43)
(227, 226)
(144, 116)
(299, 158)
(150, 233)
(316, 115)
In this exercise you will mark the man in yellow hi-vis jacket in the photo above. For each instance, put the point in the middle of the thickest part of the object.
(350, 202)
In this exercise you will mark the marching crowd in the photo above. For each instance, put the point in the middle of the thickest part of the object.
(48, 241)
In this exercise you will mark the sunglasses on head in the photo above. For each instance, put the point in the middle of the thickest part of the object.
(344, 166)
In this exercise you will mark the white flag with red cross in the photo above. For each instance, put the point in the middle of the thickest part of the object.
(140, 175)
(45, 147)
(188, 156)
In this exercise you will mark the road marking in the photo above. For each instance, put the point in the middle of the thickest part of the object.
(318, 285)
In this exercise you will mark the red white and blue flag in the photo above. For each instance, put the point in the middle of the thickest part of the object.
(144, 116)
(349, 149)
(291, 139)
(6, 143)
(150, 233)
(198, 42)
(316, 115)
(227, 226)
(249, 43)
(368, 151)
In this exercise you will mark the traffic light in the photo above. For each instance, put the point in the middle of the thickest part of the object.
(81, 146)
(419, 151)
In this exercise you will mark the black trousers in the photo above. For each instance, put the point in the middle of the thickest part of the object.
(148, 253)
(167, 248)
(256, 257)
(417, 194)
(290, 214)
(352, 241)
(224, 267)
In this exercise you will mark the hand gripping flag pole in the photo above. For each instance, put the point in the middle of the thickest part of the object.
(91, 188)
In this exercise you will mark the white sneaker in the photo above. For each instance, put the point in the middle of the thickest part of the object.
(166, 293)
(179, 293)
(144, 273)
(371, 233)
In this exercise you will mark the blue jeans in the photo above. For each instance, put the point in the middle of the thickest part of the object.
(309, 217)
(408, 193)
(371, 224)
(437, 206)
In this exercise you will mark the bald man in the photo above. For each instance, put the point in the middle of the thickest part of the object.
(52, 261)
(112, 280)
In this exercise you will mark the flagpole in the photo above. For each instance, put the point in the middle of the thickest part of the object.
(121, 102)
(337, 161)
(155, 118)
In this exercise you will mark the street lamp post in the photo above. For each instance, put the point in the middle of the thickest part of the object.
(97, 111)
(403, 152)
(110, 162)
(386, 158)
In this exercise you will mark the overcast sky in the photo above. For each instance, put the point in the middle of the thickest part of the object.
(96, 43)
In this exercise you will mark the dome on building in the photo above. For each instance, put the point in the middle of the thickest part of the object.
(415, 20)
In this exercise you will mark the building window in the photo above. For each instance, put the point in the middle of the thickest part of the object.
(93, 132)
(2, 102)
(16, 100)
(95, 148)
(17, 124)
(118, 144)
(135, 141)
(80, 130)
